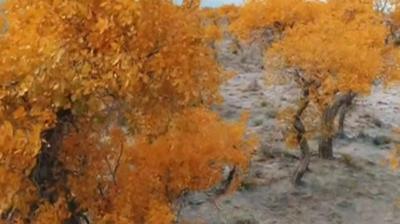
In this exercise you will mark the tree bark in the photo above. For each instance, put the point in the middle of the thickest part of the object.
(342, 115)
(49, 174)
(325, 147)
(48, 171)
(301, 140)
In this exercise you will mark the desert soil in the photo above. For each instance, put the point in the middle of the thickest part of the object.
(358, 187)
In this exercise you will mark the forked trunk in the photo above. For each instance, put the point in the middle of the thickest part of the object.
(325, 147)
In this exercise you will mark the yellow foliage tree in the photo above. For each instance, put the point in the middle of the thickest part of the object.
(69, 71)
(141, 181)
(218, 19)
(335, 53)
(278, 14)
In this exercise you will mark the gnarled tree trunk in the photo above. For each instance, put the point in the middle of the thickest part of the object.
(48, 171)
(49, 174)
(325, 147)
(301, 140)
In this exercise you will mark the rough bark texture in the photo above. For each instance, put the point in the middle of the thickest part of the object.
(302, 141)
(49, 171)
(325, 147)
(49, 174)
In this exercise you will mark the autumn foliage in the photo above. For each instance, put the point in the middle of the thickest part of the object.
(334, 50)
(105, 105)
(335, 42)
(104, 112)
(228, 12)
(256, 14)
(140, 181)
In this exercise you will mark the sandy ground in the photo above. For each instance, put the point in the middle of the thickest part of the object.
(358, 187)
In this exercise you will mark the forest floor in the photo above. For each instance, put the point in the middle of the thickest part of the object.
(357, 187)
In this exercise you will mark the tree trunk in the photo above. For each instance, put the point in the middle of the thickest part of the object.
(48, 171)
(342, 115)
(342, 118)
(49, 174)
(302, 141)
(325, 147)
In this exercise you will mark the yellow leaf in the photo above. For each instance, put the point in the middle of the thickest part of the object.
(19, 113)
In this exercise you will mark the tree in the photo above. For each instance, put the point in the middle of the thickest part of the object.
(145, 181)
(335, 53)
(104, 112)
(278, 14)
